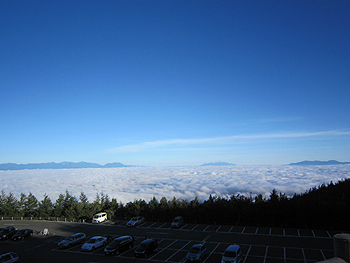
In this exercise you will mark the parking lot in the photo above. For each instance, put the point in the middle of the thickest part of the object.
(258, 244)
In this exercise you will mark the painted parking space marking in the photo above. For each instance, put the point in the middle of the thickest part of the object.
(174, 250)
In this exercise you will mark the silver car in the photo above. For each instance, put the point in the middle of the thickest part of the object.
(72, 240)
(137, 220)
(93, 243)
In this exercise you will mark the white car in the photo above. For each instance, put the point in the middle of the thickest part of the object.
(137, 220)
(99, 217)
(93, 243)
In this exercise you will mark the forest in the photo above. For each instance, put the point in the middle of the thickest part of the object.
(326, 206)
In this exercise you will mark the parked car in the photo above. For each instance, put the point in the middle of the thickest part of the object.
(232, 254)
(9, 257)
(93, 243)
(7, 232)
(22, 233)
(119, 244)
(137, 220)
(146, 247)
(72, 240)
(99, 217)
(197, 253)
(177, 222)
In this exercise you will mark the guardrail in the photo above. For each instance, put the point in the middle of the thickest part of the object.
(61, 219)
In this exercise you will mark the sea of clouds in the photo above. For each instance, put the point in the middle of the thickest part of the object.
(134, 183)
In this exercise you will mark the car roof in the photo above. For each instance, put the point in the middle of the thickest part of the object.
(149, 240)
(77, 234)
(96, 237)
(198, 245)
(232, 248)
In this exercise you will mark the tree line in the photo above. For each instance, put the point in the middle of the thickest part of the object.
(322, 207)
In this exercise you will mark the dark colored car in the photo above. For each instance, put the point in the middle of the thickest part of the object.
(22, 233)
(7, 232)
(72, 240)
(119, 244)
(146, 247)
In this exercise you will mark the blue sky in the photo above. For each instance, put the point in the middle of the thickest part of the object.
(174, 82)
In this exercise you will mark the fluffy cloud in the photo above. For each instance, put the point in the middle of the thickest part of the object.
(130, 183)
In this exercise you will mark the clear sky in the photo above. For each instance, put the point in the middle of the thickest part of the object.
(174, 82)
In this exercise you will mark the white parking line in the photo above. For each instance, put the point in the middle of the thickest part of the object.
(267, 248)
(194, 227)
(206, 228)
(178, 250)
(230, 229)
(322, 254)
(205, 239)
(256, 231)
(243, 230)
(247, 253)
(151, 225)
(302, 250)
(162, 249)
(218, 229)
(161, 226)
(211, 253)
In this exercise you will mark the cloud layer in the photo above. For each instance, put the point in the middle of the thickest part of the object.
(133, 183)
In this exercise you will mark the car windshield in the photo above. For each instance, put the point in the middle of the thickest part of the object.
(92, 240)
(21, 231)
(230, 254)
(6, 230)
(195, 250)
(114, 242)
(142, 246)
(134, 219)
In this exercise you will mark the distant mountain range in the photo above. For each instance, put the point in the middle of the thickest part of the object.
(330, 162)
(217, 164)
(62, 165)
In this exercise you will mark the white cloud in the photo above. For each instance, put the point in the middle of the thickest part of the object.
(130, 183)
(224, 140)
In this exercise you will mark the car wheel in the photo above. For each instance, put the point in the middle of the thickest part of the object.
(93, 248)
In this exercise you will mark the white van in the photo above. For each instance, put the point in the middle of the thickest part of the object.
(100, 217)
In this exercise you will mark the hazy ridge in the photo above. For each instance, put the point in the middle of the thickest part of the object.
(62, 165)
